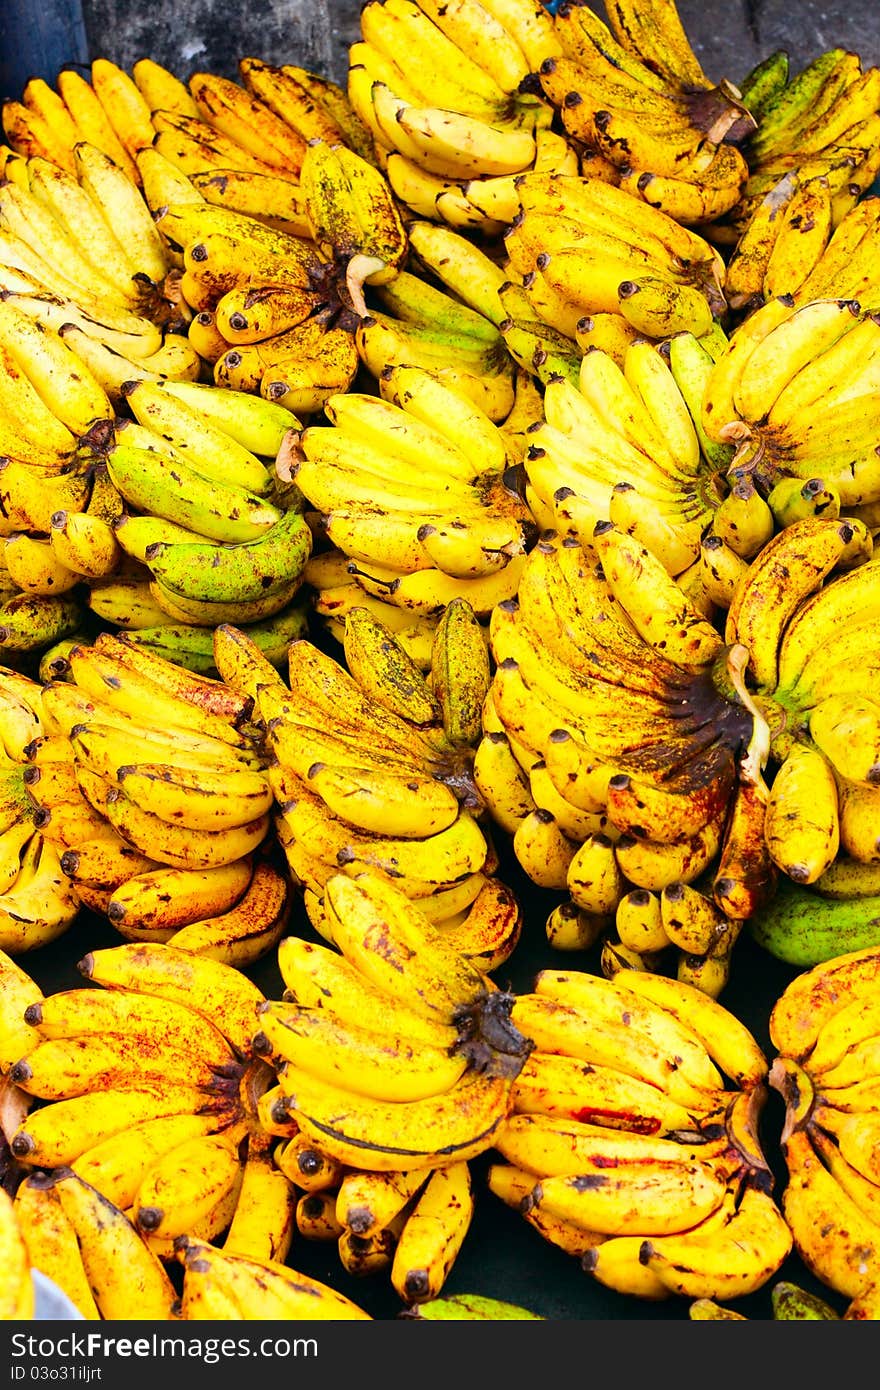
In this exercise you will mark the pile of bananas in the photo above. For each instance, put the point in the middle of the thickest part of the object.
(485, 449)
(625, 1145)
(824, 1028)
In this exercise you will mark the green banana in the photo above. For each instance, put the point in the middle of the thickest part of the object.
(218, 573)
(30, 622)
(413, 300)
(193, 647)
(765, 83)
(469, 1307)
(803, 929)
(540, 350)
(173, 490)
(690, 363)
(256, 424)
(791, 1303)
(195, 436)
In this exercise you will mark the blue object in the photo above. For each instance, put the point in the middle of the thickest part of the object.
(38, 40)
(51, 1304)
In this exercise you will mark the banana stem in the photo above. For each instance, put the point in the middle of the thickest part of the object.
(359, 270)
(758, 751)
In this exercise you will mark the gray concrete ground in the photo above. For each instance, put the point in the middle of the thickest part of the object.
(187, 35)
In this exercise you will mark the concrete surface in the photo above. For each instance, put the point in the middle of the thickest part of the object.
(728, 35)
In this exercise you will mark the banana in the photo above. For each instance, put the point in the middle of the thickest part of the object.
(219, 992)
(107, 1239)
(19, 992)
(397, 1136)
(59, 1068)
(40, 905)
(263, 1222)
(433, 1232)
(64, 383)
(307, 1164)
(805, 930)
(549, 1147)
(729, 1043)
(185, 1183)
(84, 543)
(35, 567)
(214, 573)
(316, 1216)
(565, 1087)
(255, 424)
(24, 404)
(785, 572)
(385, 673)
(667, 622)
(631, 1200)
(32, 129)
(241, 1287)
(153, 482)
(354, 1057)
(730, 1263)
(51, 1242)
(802, 827)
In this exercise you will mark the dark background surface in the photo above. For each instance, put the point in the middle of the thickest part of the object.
(502, 1256)
(729, 36)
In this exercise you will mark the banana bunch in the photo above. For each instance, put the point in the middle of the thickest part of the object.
(228, 1286)
(796, 386)
(201, 531)
(153, 795)
(406, 804)
(445, 314)
(420, 1089)
(621, 443)
(582, 247)
(81, 243)
(354, 218)
(145, 1128)
(823, 1026)
(275, 326)
(814, 152)
(790, 249)
(636, 93)
(632, 1141)
(804, 615)
(378, 1041)
(444, 91)
(105, 108)
(409, 487)
(621, 749)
